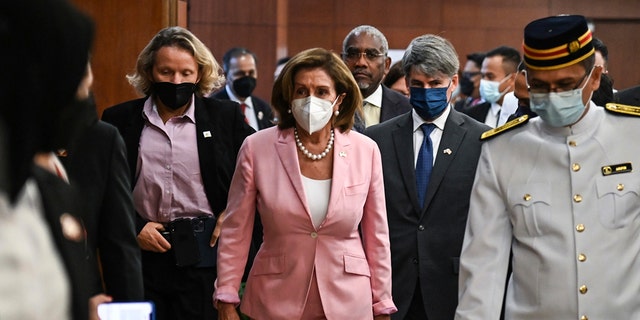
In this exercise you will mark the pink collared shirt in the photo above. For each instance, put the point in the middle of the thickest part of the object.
(168, 181)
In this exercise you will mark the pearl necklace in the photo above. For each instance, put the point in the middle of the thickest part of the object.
(309, 154)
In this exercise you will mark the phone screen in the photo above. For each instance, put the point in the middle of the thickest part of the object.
(126, 311)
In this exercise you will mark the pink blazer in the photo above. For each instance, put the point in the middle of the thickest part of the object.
(353, 272)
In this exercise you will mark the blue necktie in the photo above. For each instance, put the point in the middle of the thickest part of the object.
(425, 162)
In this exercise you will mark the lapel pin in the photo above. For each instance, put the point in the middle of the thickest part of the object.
(62, 153)
(71, 227)
(447, 151)
(207, 134)
(342, 154)
(260, 115)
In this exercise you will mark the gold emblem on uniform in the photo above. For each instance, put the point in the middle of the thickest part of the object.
(623, 109)
(616, 168)
(505, 127)
(573, 46)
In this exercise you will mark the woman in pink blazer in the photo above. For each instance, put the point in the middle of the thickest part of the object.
(318, 188)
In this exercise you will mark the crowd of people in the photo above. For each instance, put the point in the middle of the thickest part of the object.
(363, 189)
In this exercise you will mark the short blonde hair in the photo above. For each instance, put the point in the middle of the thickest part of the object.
(283, 88)
(209, 70)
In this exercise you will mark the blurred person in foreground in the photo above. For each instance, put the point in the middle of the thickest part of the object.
(43, 271)
(326, 244)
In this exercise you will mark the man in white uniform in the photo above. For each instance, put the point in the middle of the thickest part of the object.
(559, 193)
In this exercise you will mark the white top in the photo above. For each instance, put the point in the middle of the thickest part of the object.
(317, 192)
(509, 107)
(33, 280)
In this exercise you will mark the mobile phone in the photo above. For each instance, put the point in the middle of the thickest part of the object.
(184, 242)
(144, 310)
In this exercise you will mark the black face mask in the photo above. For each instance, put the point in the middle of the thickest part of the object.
(244, 86)
(172, 95)
(466, 86)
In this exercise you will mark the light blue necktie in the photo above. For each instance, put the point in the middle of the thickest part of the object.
(425, 162)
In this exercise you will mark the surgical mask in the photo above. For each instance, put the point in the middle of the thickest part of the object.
(490, 90)
(559, 109)
(244, 86)
(312, 113)
(428, 102)
(172, 95)
(466, 86)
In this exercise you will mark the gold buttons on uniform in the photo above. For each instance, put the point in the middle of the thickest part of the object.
(580, 227)
(577, 198)
(584, 318)
(620, 187)
(575, 167)
(572, 143)
(526, 197)
(583, 289)
(582, 257)
(314, 235)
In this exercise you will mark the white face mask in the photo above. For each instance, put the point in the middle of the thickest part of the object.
(312, 113)
(490, 90)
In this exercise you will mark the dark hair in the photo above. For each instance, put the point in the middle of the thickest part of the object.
(598, 45)
(510, 58)
(604, 94)
(395, 73)
(282, 60)
(234, 53)
(477, 58)
(283, 88)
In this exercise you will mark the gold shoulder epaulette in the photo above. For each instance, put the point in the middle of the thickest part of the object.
(505, 127)
(624, 109)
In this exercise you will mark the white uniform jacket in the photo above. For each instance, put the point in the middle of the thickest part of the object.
(566, 201)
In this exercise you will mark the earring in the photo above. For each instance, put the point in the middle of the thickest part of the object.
(336, 113)
(289, 111)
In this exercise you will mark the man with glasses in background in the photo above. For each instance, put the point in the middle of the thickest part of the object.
(364, 50)
(559, 193)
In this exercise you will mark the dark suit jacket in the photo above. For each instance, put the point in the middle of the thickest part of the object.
(478, 112)
(259, 106)
(97, 165)
(60, 198)
(426, 243)
(629, 96)
(393, 105)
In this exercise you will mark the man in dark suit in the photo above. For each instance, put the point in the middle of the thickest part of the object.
(181, 150)
(426, 227)
(629, 96)
(239, 65)
(364, 50)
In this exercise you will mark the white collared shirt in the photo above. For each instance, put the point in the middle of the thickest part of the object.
(436, 133)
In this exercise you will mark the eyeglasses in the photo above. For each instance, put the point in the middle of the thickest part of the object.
(371, 55)
(536, 87)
